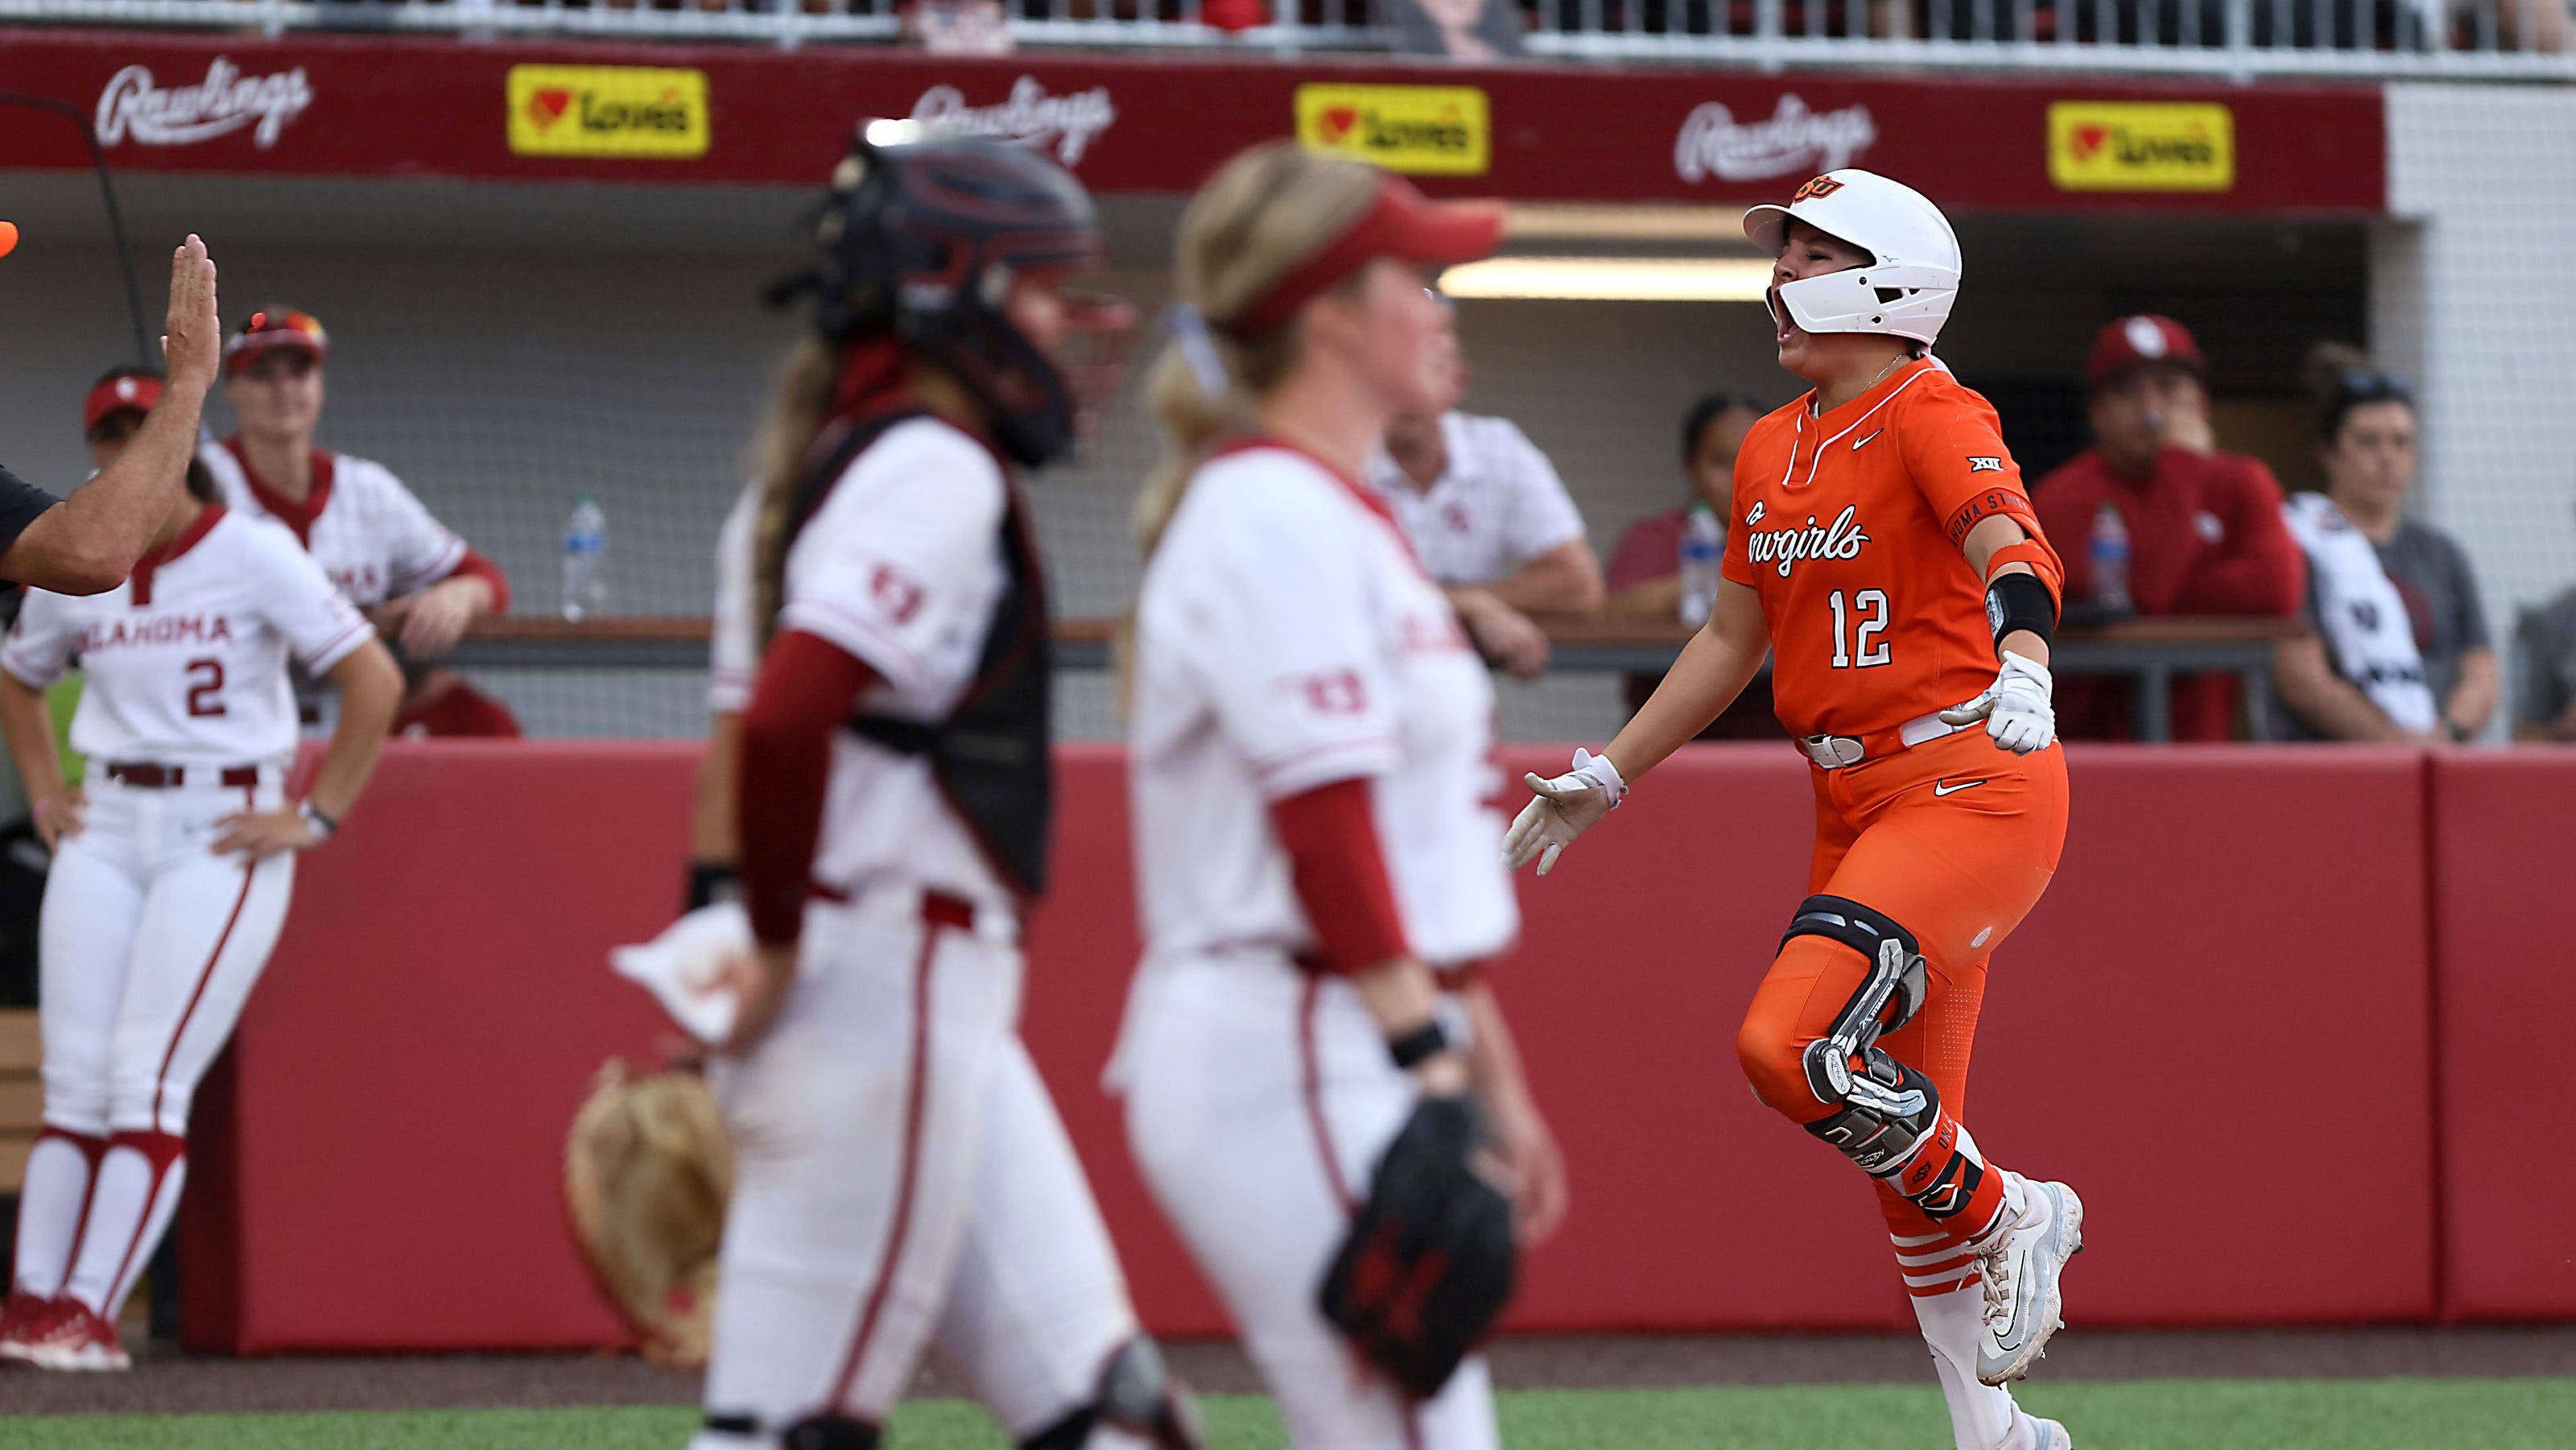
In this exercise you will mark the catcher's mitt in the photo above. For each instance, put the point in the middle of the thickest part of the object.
(1430, 1259)
(647, 1171)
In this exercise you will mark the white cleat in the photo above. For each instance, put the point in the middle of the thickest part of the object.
(2044, 1228)
(2030, 1432)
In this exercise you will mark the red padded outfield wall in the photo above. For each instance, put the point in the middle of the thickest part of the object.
(2218, 1025)
(2502, 829)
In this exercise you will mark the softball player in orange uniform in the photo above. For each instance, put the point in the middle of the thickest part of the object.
(1885, 553)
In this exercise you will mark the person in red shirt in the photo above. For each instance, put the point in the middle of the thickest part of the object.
(1645, 577)
(439, 702)
(2202, 528)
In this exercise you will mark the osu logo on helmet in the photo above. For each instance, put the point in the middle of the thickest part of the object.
(1817, 187)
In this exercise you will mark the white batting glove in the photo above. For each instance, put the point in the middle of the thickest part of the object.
(1564, 808)
(2015, 707)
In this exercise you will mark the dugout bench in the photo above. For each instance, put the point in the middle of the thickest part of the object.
(22, 1096)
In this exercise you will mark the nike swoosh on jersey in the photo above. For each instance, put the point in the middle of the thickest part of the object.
(1943, 787)
(1872, 434)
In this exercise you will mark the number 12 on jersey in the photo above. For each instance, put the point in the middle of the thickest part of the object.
(1852, 648)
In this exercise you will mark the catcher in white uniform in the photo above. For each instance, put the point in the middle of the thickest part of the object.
(412, 575)
(901, 1180)
(1308, 1043)
(171, 872)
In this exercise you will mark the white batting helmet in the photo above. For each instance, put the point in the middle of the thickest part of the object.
(1914, 273)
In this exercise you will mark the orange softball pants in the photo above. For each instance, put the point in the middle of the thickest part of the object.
(1955, 840)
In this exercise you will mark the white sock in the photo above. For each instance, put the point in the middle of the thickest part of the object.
(1981, 1416)
(49, 1215)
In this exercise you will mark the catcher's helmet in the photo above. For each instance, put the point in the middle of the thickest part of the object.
(1914, 273)
(920, 239)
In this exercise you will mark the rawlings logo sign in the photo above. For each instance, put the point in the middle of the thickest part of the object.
(1030, 117)
(224, 102)
(1714, 144)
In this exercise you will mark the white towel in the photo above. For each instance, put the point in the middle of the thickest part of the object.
(2366, 625)
(679, 968)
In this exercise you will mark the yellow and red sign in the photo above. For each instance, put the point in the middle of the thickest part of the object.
(2141, 146)
(1421, 130)
(646, 112)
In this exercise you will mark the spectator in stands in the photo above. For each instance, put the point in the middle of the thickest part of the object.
(2428, 674)
(2547, 639)
(1492, 523)
(2154, 519)
(1645, 577)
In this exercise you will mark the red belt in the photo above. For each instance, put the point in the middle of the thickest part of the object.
(1456, 977)
(145, 776)
(937, 907)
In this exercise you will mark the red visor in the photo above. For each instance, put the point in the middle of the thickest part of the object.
(138, 391)
(1399, 224)
(269, 330)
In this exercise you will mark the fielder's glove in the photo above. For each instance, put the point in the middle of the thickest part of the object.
(1565, 808)
(1429, 1261)
(647, 1172)
(2015, 707)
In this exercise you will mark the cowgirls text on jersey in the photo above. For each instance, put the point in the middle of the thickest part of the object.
(1840, 539)
(168, 629)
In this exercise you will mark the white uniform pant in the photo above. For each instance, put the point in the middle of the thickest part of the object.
(1259, 1099)
(149, 945)
(901, 1182)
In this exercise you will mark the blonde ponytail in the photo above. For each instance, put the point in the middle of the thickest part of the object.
(798, 407)
(1263, 213)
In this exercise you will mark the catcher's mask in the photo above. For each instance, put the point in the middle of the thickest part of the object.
(922, 237)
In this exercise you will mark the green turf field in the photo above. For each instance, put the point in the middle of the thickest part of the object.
(2525, 1414)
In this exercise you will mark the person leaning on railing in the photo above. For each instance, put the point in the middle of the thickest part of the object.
(2363, 674)
(2155, 519)
(1490, 520)
(88, 543)
(1644, 576)
(2547, 641)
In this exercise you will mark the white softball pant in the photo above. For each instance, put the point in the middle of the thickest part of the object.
(1258, 1101)
(148, 946)
(902, 1182)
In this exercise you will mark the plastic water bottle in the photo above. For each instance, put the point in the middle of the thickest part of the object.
(585, 560)
(1702, 541)
(2109, 550)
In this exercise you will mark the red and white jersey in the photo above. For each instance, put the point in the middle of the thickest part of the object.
(902, 568)
(186, 660)
(1286, 638)
(374, 540)
(733, 654)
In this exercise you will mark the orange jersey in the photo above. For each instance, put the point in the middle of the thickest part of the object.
(1849, 526)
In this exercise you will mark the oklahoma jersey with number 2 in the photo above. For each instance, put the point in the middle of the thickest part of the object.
(1849, 525)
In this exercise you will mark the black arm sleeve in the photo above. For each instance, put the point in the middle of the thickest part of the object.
(20, 502)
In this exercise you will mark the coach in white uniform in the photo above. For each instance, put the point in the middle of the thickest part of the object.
(1490, 520)
(172, 866)
(412, 575)
(1311, 770)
